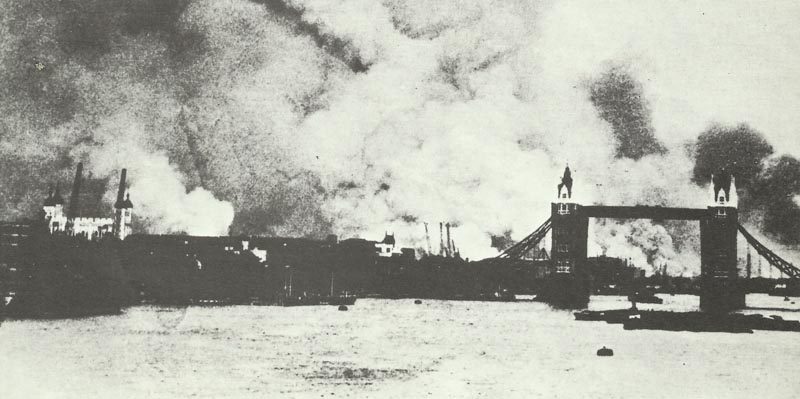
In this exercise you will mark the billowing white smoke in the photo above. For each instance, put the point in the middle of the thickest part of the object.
(467, 112)
(642, 243)
(655, 180)
(164, 204)
(447, 148)
(480, 145)
(161, 200)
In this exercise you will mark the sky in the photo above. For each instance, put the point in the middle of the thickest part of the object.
(359, 117)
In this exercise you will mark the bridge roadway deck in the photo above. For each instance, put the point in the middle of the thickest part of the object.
(643, 212)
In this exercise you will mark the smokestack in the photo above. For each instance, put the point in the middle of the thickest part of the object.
(427, 238)
(121, 190)
(759, 267)
(74, 205)
(749, 269)
(441, 238)
(116, 228)
(449, 242)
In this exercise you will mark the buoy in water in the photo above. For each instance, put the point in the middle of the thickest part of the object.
(605, 352)
(417, 302)
(342, 308)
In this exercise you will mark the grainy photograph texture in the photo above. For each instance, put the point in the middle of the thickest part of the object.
(399, 199)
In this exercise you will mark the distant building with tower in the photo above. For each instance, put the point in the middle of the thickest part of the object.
(54, 211)
(387, 247)
(73, 223)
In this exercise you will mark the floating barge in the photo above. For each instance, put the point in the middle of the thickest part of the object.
(645, 297)
(609, 316)
(632, 319)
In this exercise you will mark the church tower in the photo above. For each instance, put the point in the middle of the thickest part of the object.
(54, 211)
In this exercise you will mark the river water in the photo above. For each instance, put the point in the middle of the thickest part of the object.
(392, 349)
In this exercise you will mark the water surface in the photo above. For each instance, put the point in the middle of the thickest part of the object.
(392, 349)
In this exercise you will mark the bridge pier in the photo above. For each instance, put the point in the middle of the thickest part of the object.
(720, 287)
(569, 285)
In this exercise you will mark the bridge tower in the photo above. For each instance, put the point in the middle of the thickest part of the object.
(569, 285)
(721, 289)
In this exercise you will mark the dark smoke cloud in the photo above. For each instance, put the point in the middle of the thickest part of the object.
(620, 101)
(21, 187)
(49, 51)
(740, 150)
(280, 110)
(102, 81)
(335, 46)
(775, 194)
(768, 186)
(503, 242)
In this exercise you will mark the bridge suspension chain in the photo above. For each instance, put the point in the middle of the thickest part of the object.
(518, 250)
(781, 264)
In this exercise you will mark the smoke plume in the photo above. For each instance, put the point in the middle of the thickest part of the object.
(619, 100)
(307, 117)
(739, 150)
(768, 184)
(774, 198)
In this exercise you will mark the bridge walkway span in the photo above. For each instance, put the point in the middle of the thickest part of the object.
(518, 250)
(643, 212)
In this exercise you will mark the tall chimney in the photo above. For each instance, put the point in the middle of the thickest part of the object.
(427, 238)
(121, 190)
(441, 238)
(74, 205)
(749, 263)
(453, 244)
(116, 228)
(449, 242)
(759, 267)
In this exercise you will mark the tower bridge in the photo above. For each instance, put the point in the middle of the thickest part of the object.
(721, 288)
